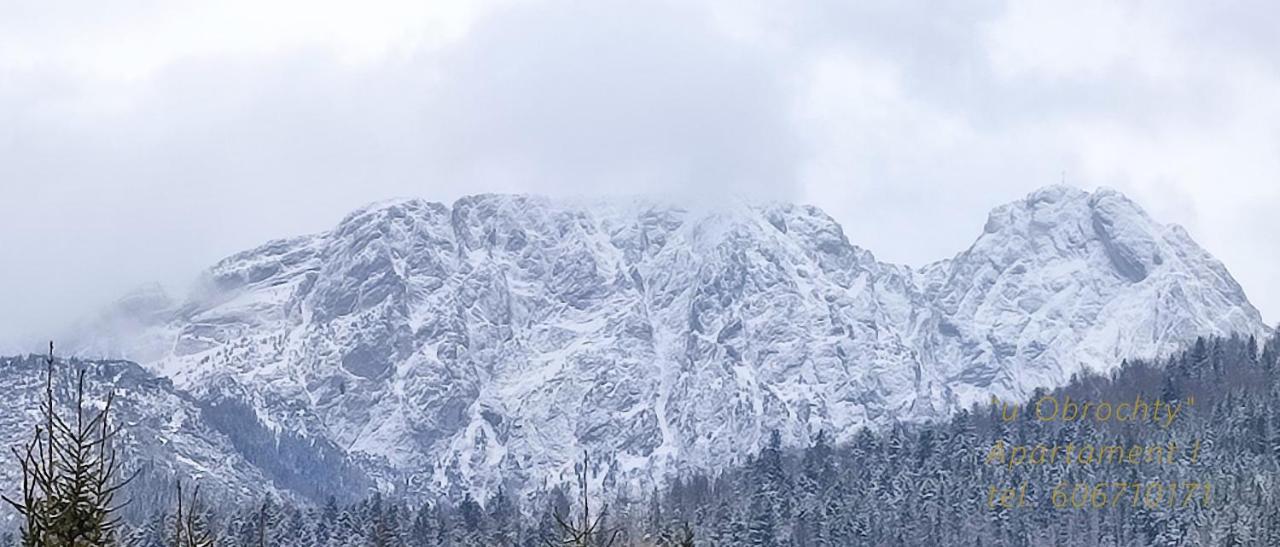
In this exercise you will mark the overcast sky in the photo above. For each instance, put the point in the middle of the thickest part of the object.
(143, 140)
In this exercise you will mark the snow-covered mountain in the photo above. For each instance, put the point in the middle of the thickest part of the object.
(163, 433)
(458, 346)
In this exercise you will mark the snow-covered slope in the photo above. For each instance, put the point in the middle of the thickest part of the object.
(457, 346)
(163, 434)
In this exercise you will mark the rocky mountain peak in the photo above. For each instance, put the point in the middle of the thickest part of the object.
(492, 339)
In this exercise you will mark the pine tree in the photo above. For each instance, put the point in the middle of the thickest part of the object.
(69, 471)
(503, 519)
(681, 536)
(386, 524)
(422, 533)
(762, 523)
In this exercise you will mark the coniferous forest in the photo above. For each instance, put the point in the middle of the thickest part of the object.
(912, 484)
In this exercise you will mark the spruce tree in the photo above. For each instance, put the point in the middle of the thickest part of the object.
(70, 473)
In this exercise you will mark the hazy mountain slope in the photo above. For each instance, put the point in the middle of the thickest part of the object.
(496, 337)
(163, 433)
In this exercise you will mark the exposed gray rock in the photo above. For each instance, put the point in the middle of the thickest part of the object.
(495, 338)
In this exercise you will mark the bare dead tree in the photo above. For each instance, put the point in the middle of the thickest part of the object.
(586, 530)
(190, 528)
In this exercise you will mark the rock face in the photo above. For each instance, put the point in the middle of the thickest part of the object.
(495, 338)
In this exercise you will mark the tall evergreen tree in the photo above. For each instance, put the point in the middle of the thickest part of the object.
(69, 471)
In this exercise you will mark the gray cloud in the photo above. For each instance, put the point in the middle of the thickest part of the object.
(212, 154)
(122, 163)
(623, 96)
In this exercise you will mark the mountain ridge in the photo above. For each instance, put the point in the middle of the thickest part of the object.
(488, 341)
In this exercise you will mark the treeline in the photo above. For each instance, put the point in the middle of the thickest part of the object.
(377, 521)
(923, 484)
(930, 484)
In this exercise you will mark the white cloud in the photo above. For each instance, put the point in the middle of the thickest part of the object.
(1083, 39)
(132, 40)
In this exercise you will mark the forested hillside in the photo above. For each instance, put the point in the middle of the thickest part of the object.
(910, 485)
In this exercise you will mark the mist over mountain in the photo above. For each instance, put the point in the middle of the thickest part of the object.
(449, 348)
